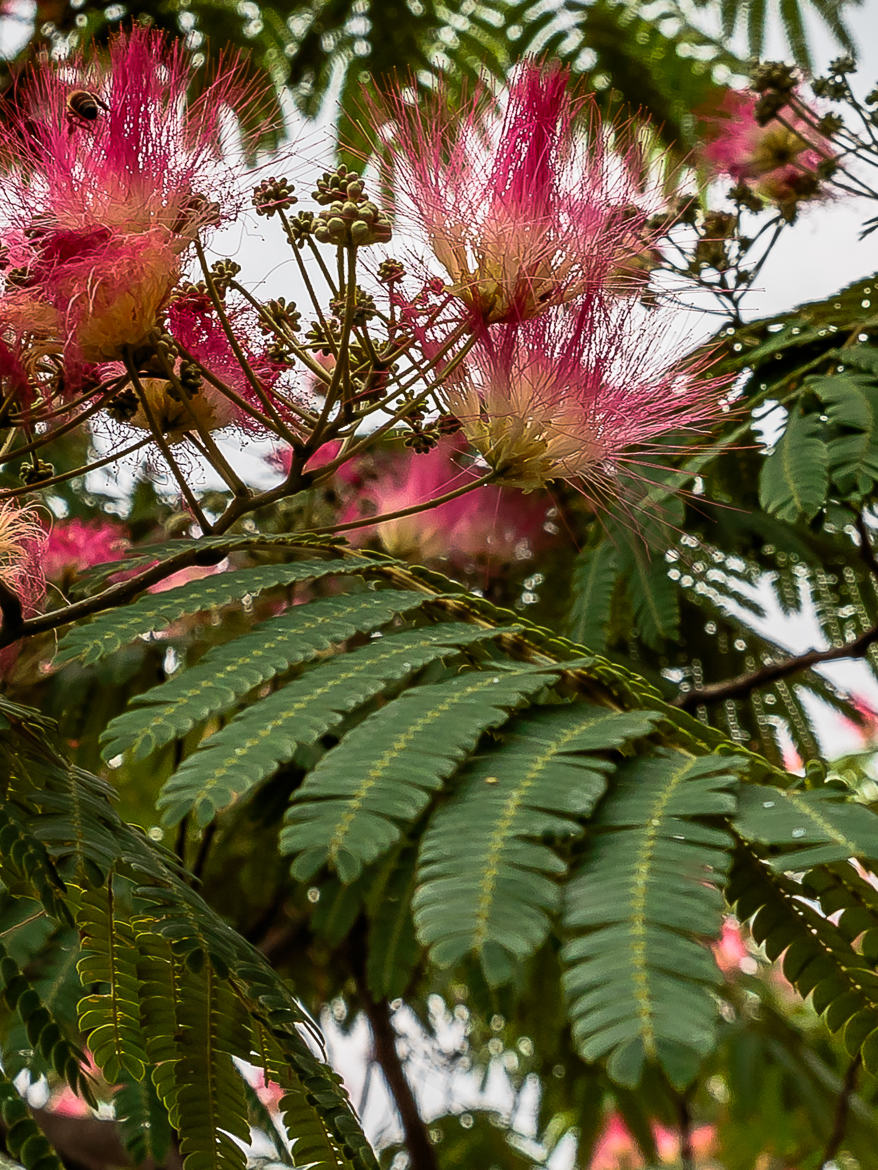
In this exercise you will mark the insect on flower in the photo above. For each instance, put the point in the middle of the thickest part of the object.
(83, 108)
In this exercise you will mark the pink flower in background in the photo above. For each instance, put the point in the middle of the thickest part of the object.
(616, 1148)
(98, 210)
(865, 726)
(532, 215)
(578, 394)
(488, 524)
(346, 473)
(74, 545)
(730, 951)
(778, 161)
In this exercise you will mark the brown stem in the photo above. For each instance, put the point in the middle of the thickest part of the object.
(842, 1109)
(687, 1154)
(743, 684)
(422, 1155)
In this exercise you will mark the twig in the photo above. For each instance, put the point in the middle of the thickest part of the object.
(735, 688)
(842, 1109)
(422, 1154)
(687, 1154)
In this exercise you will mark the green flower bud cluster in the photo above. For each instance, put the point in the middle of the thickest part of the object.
(390, 271)
(774, 75)
(278, 316)
(36, 472)
(349, 223)
(223, 272)
(273, 195)
(364, 306)
(339, 186)
(300, 227)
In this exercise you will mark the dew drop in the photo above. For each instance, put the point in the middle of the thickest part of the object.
(798, 833)
(768, 804)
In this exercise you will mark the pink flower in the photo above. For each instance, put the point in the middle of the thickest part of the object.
(99, 209)
(74, 545)
(778, 161)
(731, 950)
(532, 216)
(488, 524)
(616, 1148)
(578, 393)
(865, 725)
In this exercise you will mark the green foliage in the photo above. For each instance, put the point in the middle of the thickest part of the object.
(795, 475)
(643, 900)
(353, 804)
(171, 991)
(153, 612)
(485, 786)
(488, 884)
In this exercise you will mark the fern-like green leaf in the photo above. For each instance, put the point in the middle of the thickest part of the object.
(227, 672)
(210, 1107)
(795, 476)
(488, 881)
(642, 906)
(352, 805)
(43, 1032)
(807, 828)
(110, 1019)
(267, 734)
(594, 579)
(653, 595)
(155, 611)
(393, 948)
(817, 957)
(143, 1121)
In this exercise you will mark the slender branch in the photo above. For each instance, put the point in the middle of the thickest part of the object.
(736, 688)
(422, 1155)
(684, 1114)
(842, 1109)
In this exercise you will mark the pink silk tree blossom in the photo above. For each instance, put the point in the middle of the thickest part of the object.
(779, 161)
(74, 545)
(531, 211)
(488, 524)
(578, 394)
(95, 216)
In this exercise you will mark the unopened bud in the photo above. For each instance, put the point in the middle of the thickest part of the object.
(273, 195)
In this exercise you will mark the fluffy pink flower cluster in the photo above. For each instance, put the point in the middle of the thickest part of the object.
(544, 239)
(74, 545)
(489, 526)
(529, 211)
(778, 161)
(109, 174)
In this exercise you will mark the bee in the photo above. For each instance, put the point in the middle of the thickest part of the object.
(83, 108)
